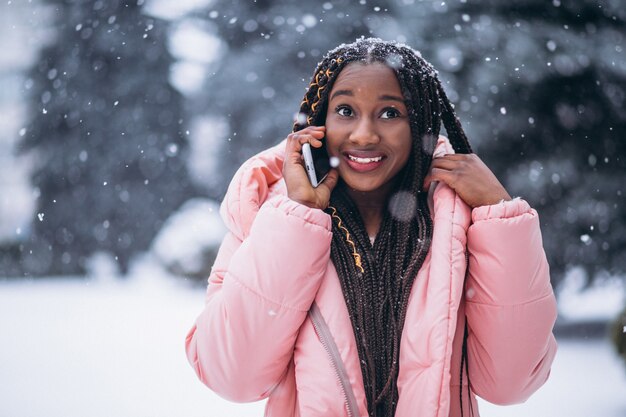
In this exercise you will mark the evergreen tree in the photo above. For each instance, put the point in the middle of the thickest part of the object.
(108, 136)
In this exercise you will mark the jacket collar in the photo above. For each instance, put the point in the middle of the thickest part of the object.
(251, 184)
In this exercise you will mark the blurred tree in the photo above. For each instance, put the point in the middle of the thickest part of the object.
(108, 136)
(539, 88)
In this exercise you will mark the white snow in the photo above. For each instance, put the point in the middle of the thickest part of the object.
(602, 301)
(195, 49)
(450, 57)
(191, 41)
(192, 230)
(107, 347)
(206, 139)
(171, 10)
(112, 348)
(587, 380)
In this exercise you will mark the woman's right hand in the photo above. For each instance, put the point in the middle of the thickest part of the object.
(299, 187)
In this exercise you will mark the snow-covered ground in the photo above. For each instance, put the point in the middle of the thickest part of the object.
(104, 347)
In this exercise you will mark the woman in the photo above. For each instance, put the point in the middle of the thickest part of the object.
(405, 284)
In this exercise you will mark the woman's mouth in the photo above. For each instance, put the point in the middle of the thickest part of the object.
(363, 162)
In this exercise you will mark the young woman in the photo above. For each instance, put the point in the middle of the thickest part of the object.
(405, 284)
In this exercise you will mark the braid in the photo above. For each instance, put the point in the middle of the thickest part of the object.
(376, 280)
(453, 125)
(314, 101)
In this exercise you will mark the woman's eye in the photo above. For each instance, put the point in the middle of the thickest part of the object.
(344, 111)
(390, 113)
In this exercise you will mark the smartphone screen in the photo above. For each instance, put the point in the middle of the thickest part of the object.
(317, 163)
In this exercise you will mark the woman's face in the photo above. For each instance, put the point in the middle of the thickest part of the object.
(367, 126)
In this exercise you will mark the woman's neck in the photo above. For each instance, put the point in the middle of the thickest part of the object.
(371, 206)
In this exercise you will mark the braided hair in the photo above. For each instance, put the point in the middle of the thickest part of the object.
(376, 279)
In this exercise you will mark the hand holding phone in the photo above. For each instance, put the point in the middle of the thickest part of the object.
(306, 170)
(316, 163)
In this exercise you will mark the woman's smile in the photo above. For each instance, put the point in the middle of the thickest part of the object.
(364, 161)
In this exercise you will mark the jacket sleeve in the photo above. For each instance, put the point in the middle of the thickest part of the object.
(510, 305)
(259, 292)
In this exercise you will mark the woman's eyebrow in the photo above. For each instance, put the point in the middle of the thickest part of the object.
(384, 97)
(389, 97)
(342, 93)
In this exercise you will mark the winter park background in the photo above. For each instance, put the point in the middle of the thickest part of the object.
(121, 123)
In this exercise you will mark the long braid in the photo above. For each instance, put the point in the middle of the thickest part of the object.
(453, 125)
(376, 280)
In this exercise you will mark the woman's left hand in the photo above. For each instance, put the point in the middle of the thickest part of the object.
(468, 175)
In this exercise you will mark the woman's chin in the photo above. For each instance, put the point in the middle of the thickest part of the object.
(362, 185)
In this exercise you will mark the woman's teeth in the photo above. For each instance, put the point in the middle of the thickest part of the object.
(365, 160)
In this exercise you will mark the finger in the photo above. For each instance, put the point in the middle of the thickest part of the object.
(292, 146)
(296, 140)
(314, 127)
(306, 137)
(437, 174)
(315, 134)
(293, 151)
(312, 130)
(316, 143)
(444, 163)
(427, 182)
(329, 183)
(455, 156)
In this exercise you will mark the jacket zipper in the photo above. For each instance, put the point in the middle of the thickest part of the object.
(323, 332)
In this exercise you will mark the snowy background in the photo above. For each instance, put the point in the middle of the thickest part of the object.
(121, 123)
(105, 347)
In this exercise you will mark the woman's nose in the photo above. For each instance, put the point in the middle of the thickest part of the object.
(364, 133)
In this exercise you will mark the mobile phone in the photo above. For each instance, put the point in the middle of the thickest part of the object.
(316, 162)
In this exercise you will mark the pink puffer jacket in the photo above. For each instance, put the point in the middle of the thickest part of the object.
(276, 325)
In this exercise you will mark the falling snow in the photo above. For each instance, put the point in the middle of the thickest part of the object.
(136, 117)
